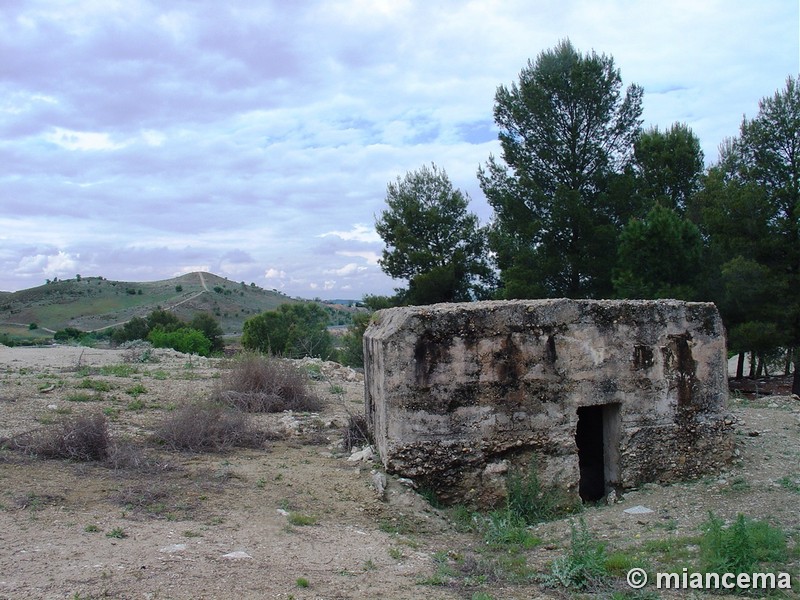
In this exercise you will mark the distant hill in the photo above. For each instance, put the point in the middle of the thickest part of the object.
(94, 303)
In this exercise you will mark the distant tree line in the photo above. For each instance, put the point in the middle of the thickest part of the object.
(588, 204)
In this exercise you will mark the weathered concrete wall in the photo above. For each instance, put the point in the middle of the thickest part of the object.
(457, 393)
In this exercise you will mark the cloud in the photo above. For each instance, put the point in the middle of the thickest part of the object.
(358, 233)
(81, 140)
(347, 270)
(369, 256)
(141, 138)
(59, 264)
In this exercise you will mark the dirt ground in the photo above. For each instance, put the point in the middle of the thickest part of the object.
(297, 519)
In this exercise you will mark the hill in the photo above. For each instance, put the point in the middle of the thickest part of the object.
(96, 303)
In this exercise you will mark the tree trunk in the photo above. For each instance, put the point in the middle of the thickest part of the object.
(760, 368)
(796, 379)
(740, 367)
(752, 365)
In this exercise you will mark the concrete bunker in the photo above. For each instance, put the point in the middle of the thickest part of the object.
(599, 395)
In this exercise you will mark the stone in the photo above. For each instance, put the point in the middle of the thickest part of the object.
(379, 483)
(637, 510)
(236, 555)
(366, 454)
(594, 394)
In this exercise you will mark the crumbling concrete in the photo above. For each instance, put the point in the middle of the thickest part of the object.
(606, 395)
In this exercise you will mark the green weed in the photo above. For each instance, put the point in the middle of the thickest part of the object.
(117, 533)
(301, 520)
(585, 565)
(742, 546)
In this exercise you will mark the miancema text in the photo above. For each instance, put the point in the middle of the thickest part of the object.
(726, 581)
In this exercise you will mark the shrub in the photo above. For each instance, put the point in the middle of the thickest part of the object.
(210, 328)
(185, 339)
(67, 334)
(352, 351)
(82, 438)
(293, 330)
(356, 432)
(266, 384)
(207, 427)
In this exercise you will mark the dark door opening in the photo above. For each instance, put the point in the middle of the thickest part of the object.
(597, 437)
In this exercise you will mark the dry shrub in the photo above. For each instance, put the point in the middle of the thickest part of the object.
(356, 432)
(127, 456)
(266, 384)
(208, 427)
(81, 438)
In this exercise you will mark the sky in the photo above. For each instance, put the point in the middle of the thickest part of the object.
(144, 139)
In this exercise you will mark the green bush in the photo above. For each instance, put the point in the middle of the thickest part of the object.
(293, 331)
(185, 339)
(210, 328)
(352, 351)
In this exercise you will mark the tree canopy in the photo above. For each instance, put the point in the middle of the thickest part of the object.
(565, 130)
(293, 330)
(432, 240)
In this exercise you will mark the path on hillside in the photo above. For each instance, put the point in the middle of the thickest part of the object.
(173, 307)
(203, 281)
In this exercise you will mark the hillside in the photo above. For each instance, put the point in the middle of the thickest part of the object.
(94, 303)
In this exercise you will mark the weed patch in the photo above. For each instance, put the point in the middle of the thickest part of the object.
(266, 384)
(740, 547)
(208, 427)
(356, 432)
(81, 438)
(584, 567)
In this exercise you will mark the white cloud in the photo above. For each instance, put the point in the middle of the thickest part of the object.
(50, 265)
(81, 140)
(144, 137)
(369, 256)
(358, 233)
(347, 270)
(192, 269)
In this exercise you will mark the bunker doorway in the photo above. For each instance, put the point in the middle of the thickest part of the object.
(597, 438)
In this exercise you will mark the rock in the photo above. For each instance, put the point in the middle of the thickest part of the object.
(236, 555)
(638, 510)
(365, 454)
(173, 548)
(611, 498)
(409, 483)
(379, 483)
(283, 513)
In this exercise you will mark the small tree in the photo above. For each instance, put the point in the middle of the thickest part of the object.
(293, 330)
(432, 240)
(210, 328)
